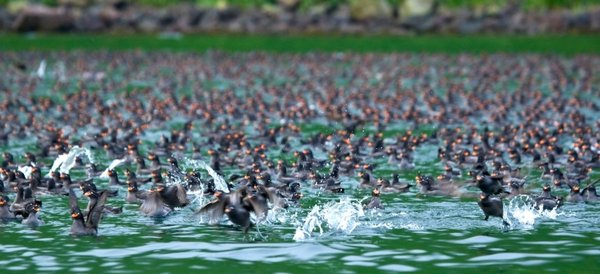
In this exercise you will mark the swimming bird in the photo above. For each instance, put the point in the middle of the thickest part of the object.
(113, 178)
(589, 192)
(87, 225)
(490, 184)
(239, 215)
(134, 195)
(5, 212)
(30, 214)
(24, 196)
(375, 201)
(575, 195)
(173, 195)
(154, 206)
(93, 195)
(236, 205)
(491, 206)
(548, 203)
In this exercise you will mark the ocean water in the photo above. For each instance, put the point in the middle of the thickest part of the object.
(326, 233)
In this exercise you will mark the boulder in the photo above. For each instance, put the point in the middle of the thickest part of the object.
(148, 23)
(14, 7)
(595, 20)
(580, 21)
(5, 19)
(289, 5)
(342, 14)
(361, 10)
(42, 18)
(209, 20)
(90, 20)
(417, 8)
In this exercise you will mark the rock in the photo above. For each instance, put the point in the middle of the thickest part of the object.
(471, 25)
(555, 22)
(166, 19)
(361, 10)
(419, 15)
(248, 21)
(109, 15)
(595, 20)
(148, 23)
(90, 20)
(187, 19)
(42, 18)
(210, 20)
(228, 14)
(5, 19)
(289, 5)
(15, 7)
(417, 8)
(580, 21)
(341, 15)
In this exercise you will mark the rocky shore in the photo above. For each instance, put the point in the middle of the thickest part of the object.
(360, 17)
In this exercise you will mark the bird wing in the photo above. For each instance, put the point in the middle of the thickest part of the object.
(141, 195)
(95, 213)
(181, 195)
(214, 210)
(266, 192)
(590, 185)
(151, 203)
(258, 205)
(73, 201)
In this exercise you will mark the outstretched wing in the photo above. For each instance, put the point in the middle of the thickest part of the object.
(258, 204)
(213, 210)
(590, 185)
(181, 195)
(73, 201)
(95, 213)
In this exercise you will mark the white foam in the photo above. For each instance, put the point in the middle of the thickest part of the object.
(26, 170)
(522, 209)
(67, 161)
(115, 163)
(219, 182)
(343, 216)
(41, 71)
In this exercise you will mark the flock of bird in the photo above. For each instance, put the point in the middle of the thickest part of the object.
(253, 116)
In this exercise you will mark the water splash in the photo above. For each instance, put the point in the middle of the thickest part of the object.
(115, 163)
(41, 71)
(522, 210)
(26, 170)
(67, 161)
(219, 182)
(343, 216)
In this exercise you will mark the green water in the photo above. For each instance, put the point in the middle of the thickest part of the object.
(414, 232)
(557, 44)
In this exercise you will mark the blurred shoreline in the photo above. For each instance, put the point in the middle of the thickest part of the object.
(288, 17)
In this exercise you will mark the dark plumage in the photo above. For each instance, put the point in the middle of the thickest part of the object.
(375, 201)
(87, 225)
(30, 215)
(173, 195)
(491, 206)
(5, 212)
(134, 195)
(489, 184)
